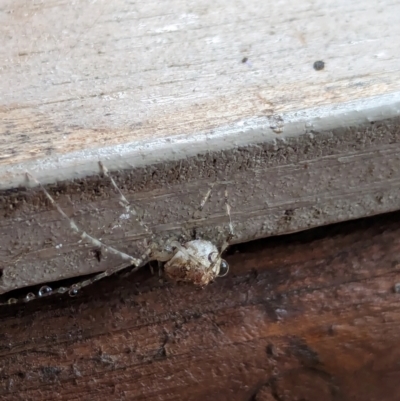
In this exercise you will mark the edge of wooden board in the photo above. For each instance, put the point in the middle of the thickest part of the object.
(241, 133)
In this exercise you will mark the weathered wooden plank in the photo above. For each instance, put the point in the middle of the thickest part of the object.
(79, 79)
(309, 316)
(178, 95)
(276, 188)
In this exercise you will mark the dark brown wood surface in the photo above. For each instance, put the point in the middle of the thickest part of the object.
(311, 316)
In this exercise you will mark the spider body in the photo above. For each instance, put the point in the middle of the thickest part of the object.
(198, 262)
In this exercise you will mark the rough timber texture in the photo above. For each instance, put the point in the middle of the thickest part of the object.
(85, 80)
(175, 95)
(312, 316)
(273, 189)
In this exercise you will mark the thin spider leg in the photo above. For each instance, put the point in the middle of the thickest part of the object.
(231, 233)
(206, 197)
(228, 212)
(182, 249)
(73, 290)
(129, 208)
(84, 235)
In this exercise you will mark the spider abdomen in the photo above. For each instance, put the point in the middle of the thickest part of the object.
(197, 262)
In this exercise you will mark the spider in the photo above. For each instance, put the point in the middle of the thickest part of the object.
(196, 261)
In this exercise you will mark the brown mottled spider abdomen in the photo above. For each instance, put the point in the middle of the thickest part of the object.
(197, 262)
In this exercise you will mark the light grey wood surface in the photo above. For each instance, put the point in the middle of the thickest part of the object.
(80, 77)
(173, 95)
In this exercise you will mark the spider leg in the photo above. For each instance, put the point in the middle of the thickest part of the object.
(73, 289)
(182, 249)
(228, 212)
(206, 197)
(231, 233)
(129, 208)
(83, 234)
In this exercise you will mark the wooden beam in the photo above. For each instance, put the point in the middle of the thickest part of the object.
(173, 97)
(309, 316)
(338, 175)
(109, 80)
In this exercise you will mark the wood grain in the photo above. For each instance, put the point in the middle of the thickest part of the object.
(83, 81)
(273, 189)
(304, 317)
